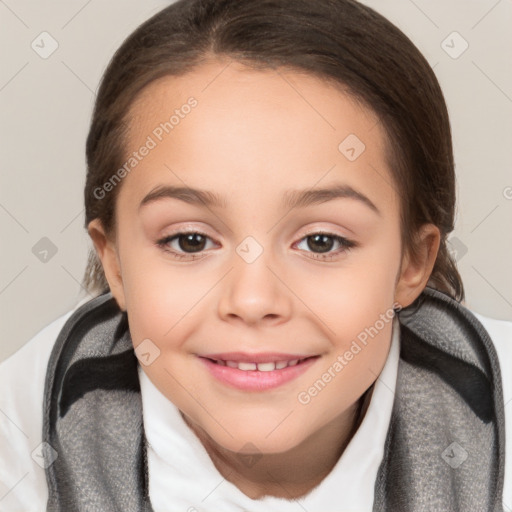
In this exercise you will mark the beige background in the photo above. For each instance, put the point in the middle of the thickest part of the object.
(46, 106)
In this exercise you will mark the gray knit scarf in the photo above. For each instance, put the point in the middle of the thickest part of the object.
(445, 446)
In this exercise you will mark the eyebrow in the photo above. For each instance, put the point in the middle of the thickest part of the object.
(292, 198)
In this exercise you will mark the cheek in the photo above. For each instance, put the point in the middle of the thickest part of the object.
(351, 297)
(159, 295)
(351, 370)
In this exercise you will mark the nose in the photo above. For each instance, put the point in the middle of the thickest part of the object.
(255, 293)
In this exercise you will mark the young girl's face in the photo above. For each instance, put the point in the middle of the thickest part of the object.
(273, 270)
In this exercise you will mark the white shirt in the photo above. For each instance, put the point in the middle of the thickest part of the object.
(180, 470)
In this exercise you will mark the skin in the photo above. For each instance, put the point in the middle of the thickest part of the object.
(253, 136)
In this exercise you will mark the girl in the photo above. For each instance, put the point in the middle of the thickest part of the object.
(278, 322)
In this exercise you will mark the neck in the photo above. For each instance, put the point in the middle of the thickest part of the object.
(294, 473)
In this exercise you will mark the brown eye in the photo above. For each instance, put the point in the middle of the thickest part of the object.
(185, 243)
(320, 243)
(191, 242)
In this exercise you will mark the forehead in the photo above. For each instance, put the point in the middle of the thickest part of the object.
(254, 127)
(220, 84)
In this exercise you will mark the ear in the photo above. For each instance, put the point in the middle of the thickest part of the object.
(107, 253)
(416, 268)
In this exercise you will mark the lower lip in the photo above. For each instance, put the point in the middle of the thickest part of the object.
(254, 380)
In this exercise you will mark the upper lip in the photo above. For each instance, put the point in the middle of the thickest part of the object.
(261, 357)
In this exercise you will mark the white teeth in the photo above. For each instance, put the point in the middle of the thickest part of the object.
(262, 367)
(247, 366)
(266, 367)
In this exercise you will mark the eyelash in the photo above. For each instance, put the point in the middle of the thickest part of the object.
(345, 243)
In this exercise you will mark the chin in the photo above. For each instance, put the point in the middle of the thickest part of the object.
(256, 440)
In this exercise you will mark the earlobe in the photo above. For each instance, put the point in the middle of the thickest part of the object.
(107, 253)
(417, 267)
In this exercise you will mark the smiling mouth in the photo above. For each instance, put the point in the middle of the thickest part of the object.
(257, 372)
(269, 366)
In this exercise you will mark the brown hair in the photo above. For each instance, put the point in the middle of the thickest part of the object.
(341, 41)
